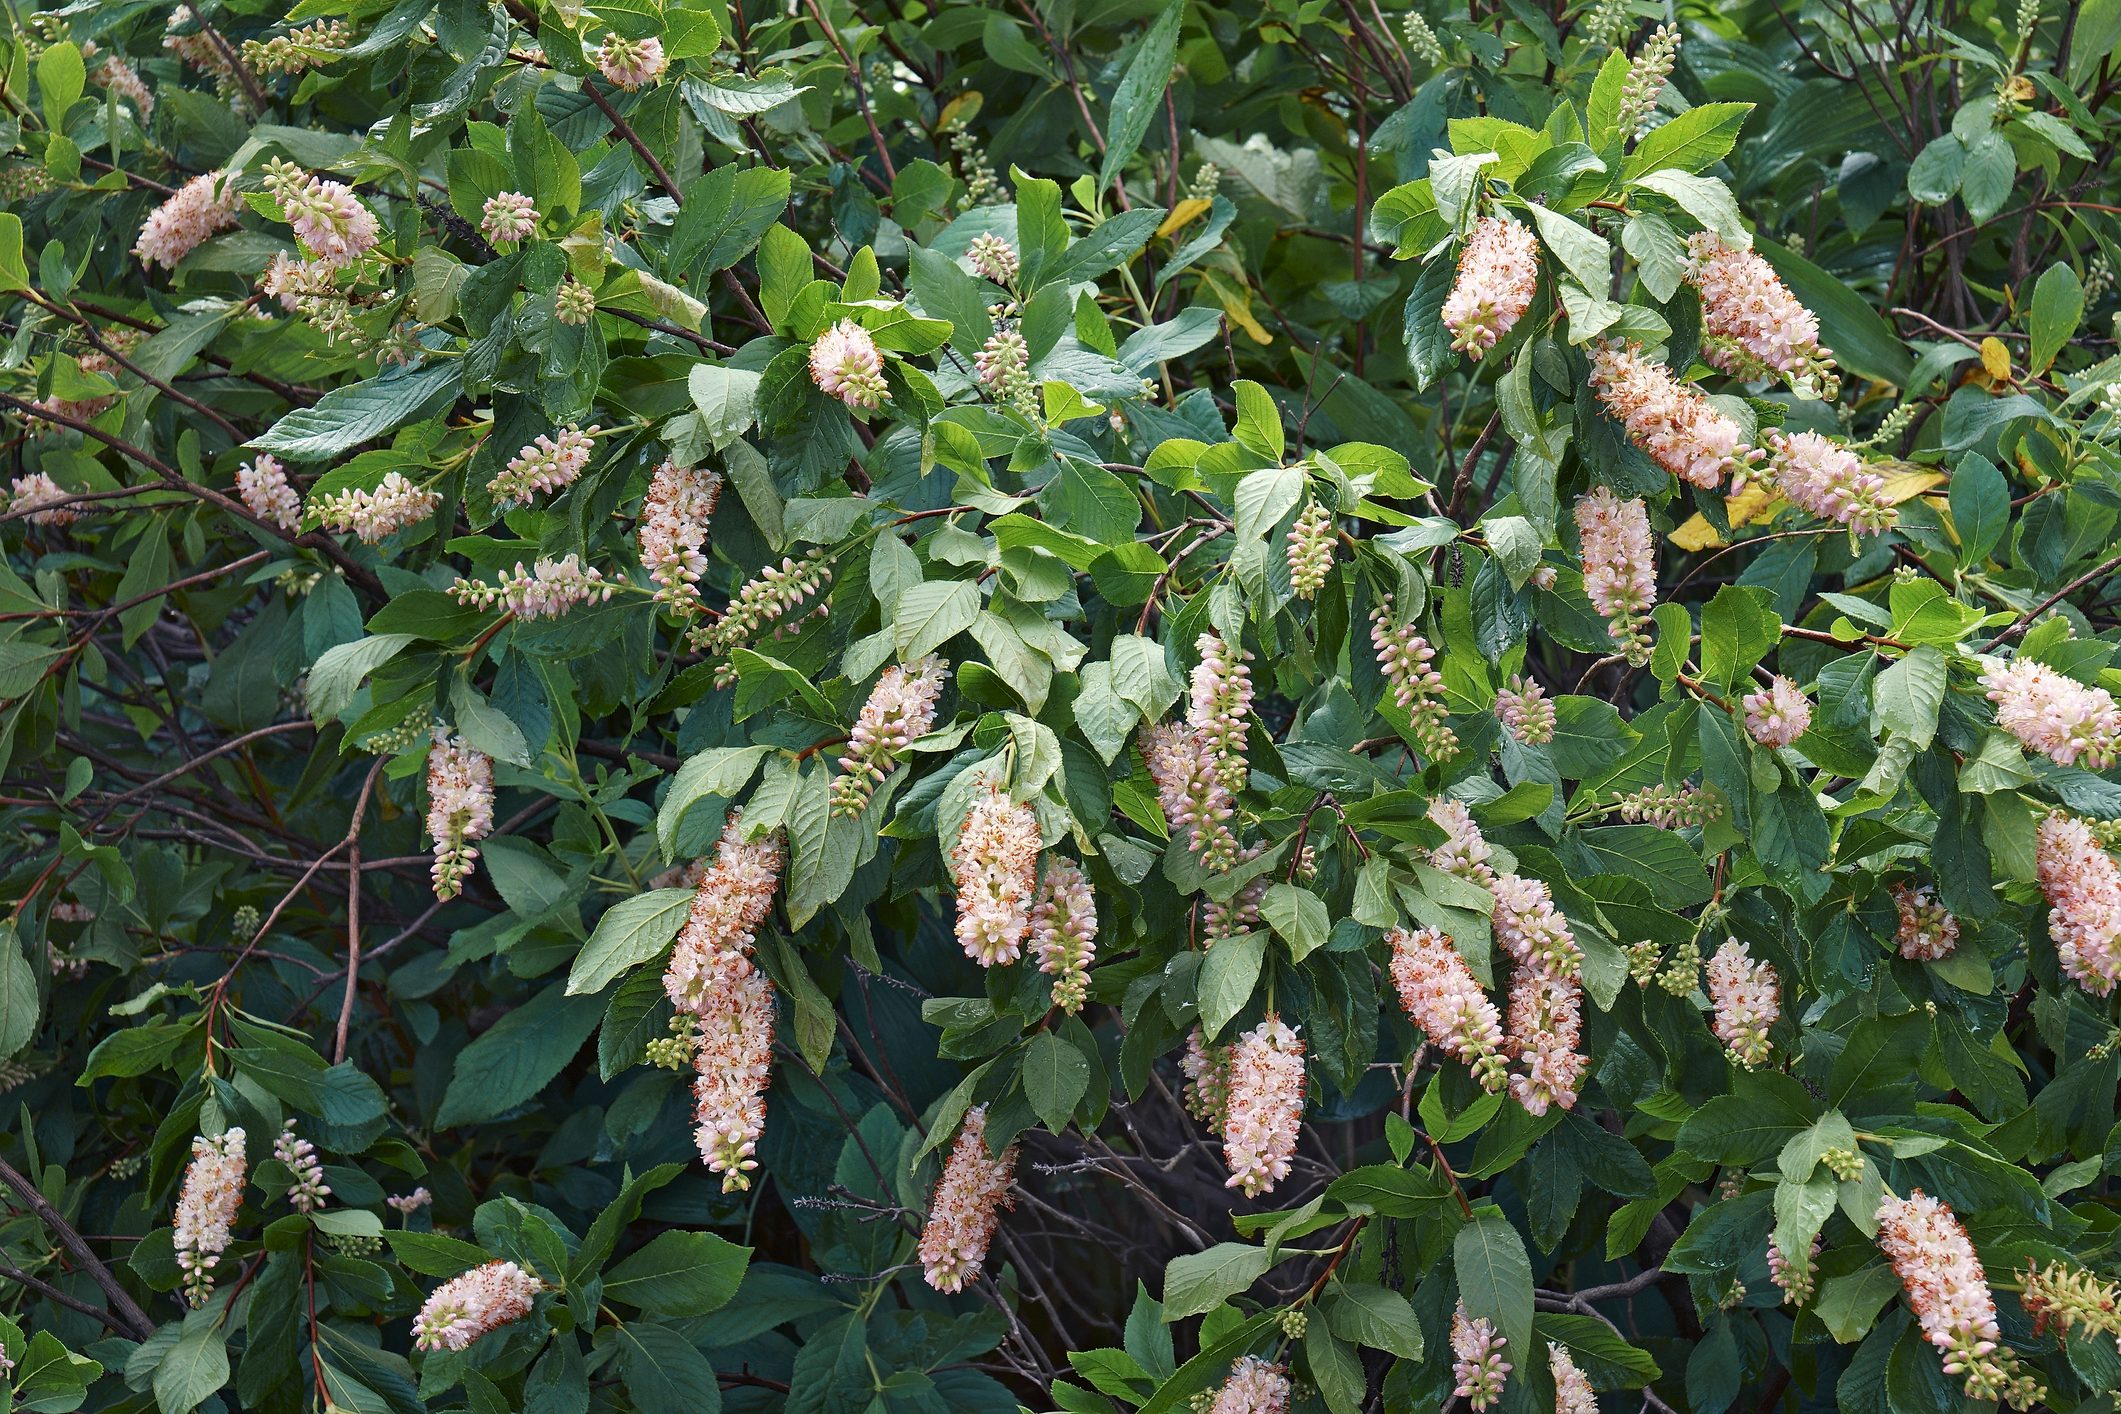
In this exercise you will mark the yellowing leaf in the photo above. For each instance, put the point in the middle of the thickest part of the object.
(1757, 501)
(1238, 305)
(1910, 482)
(1696, 534)
(1183, 214)
(1996, 359)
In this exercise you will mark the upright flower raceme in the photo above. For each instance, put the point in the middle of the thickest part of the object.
(900, 710)
(2060, 1298)
(207, 1207)
(675, 519)
(1265, 1107)
(1446, 1001)
(1794, 1279)
(993, 258)
(466, 1307)
(309, 1190)
(1672, 422)
(1648, 72)
(459, 809)
(733, 899)
(1531, 930)
(1196, 805)
(2054, 714)
(395, 504)
(1948, 1291)
(1829, 481)
(121, 78)
(2083, 889)
(1221, 707)
(1526, 712)
(631, 63)
(1064, 930)
(1407, 661)
(1255, 1386)
(966, 1208)
(1476, 1359)
(267, 494)
(1747, 996)
(1465, 852)
(328, 219)
(995, 867)
(1498, 271)
(1777, 714)
(1619, 567)
(845, 364)
(779, 599)
(508, 217)
(1310, 550)
(206, 204)
(547, 463)
(1678, 807)
(1572, 1388)
(1927, 930)
(1752, 324)
(544, 591)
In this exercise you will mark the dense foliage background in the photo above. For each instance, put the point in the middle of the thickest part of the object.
(1069, 343)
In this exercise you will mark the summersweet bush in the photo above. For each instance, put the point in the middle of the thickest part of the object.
(1156, 705)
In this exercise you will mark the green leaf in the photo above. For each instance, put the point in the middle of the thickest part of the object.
(517, 1058)
(929, 615)
(1495, 1278)
(1056, 1075)
(14, 272)
(1227, 976)
(347, 416)
(725, 214)
(1428, 341)
(2057, 307)
(1695, 139)
(19, 1007)
(1582, 251)
(336, 677)
(718, 773)
(632, 931)
(430, 1254)
(663, 1371)
(727, 399)
(1299, 916)
(1909, 694)
(61, 77)
(679, 1274)
(193, 1368)
(1367, 1314)
(1201, 1281)
(1139, 97)
(1849, 1305)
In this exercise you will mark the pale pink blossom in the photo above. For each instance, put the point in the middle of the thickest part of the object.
(734, 898)
(300, 286)
(966, 1208)
(1221, 708)
(1828, 480)
(1207, 1072)
(1531, 930)
(375, 515)
(2054, 714)
(1545, 1037)
(1464, 852)
(466, 1307)
(121, 78)
(1672, 422)
(1793, 1278)
(206, 204)
(459, 809)
(328, 219)
(1777, 714)
(266, 493)
(1310, 551)
(508, 217)
(631, 63)
(1947, 1290)
(406, 1204)
(900, 710)
(675, 516)
(2083, 889)
(546, 590)
(1255, 1386)
(732, 1065)
(1927, 931)
(207, 1207)
(1476, 1359)
(1679, 807)
(39, 500)
(995, 869)
(1498, 272)
(1525, 711)
(1751, 323)
(1196, 805)
(1445, 1000)
(1619, 567)
(845, 364)
(309, 1190)
(1264, 1113)
(1407, 661)
(547, 463)
(1747, 996)
(1064, 930)
(1003, 366)
(1572, 1388)
(993, 258)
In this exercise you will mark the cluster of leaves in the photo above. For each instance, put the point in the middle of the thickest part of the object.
(1232, 231)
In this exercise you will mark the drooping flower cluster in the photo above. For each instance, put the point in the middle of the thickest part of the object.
(1747, 996)
(1928, 931)
(547, 463)
(1221, 708)
(1207, 1072)
(1465, 851)
(1829, 481)
(1681, 807)
(1671, 421)
(375, 515)
(995, 869)
(1264, 1112)
(459, 809)
(731, 901)
(1196, 805)
(1003, 366)
(206, 1208)
(267, 494)
(309, 1190)
(121, 78)
(2054, 714)
(1407, 661)
(1255, 1386)
(206, 204)
(1526, 712)
(508, 217)
(328, 219)
(466, 1307)
(1777, 714)
(966, 1208)
(1949, 1293)
(1619, 567)
(1498, 272)
(1546, 1036)
(1648, 72)
(900, 710)
(1752, 325)
(1064, 931)
(845, 364)
(1531, 930)
(780, 598)
(1310, 550)
(1476, 1359)
(298, 49)
(631, 63)
(546, 590)
(675, 518)
(1794, 1279)
(185, 35)
(1572, 1388)
(36, 498)
(1445, 1000)
(993, 258)
(2083, 890)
